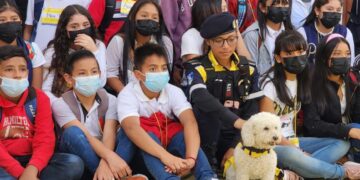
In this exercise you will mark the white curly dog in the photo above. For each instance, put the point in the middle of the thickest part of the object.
(255, 158)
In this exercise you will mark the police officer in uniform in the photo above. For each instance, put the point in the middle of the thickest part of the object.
(223, 88)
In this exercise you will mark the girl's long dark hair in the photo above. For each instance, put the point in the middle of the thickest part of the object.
(317, 4)
(61, 44)
(289, 41)
(320, 86)
(128, 33)
(203, 9)
(10, 5)
(262, 16)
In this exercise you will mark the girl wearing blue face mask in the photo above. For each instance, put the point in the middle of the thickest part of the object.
(75, 31)
(88, 118)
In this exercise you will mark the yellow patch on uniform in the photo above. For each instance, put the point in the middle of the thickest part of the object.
(251, 70)
(202, 72)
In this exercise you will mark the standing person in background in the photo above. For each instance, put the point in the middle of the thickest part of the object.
(323, 20)
(109, 16)
(75, 31)
(273, 18)
(10, 34)
(245, 11)
(144, 24)
(177, 18)
(300, 9)
(42, 18)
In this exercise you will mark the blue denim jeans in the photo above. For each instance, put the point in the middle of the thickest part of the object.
(325, 152)
(355, 144)
(202, 169)
(61, 166)
(74, 141)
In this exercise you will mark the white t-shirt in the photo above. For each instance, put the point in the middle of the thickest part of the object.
(49, 78)
(46, 27)
(270, 38)
(133, 102)
(349, 38)
(192, 43)
(63, 114)
(285, 112)
(299, 11)
(114, 56)
(39, 58)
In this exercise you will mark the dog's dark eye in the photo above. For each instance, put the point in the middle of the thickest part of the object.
(275, 128)
(266, 128)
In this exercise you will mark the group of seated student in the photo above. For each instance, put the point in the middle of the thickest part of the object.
(111, 113)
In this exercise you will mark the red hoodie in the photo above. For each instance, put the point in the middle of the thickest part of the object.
(19, 137)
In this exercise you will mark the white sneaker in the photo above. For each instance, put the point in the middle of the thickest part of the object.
(352, 170)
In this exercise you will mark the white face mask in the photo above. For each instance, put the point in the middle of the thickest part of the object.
(87, 85)
(14, 87)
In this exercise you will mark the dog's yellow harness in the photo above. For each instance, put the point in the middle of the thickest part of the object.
(253, 152)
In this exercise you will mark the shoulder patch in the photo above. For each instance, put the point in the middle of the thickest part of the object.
(251, 70)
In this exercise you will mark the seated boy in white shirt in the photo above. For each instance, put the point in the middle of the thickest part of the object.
(158, 119)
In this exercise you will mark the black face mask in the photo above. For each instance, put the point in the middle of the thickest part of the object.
(73, 34)
(296, 64)
(9, 31)
(340, 66)
(277, 14)
(330, 19)
(147, 27)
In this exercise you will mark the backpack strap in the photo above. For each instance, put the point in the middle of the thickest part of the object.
(31, 105)
(340, 29)
(38, 6)
(353, 77)
(30, 54)
(71, 101)
(242, 10)
(312, 39)
(108, 15)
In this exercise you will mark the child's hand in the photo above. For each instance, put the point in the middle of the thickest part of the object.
(173, 164)
(86, 42)
(103, 171)
(30, 173)
(118, 166)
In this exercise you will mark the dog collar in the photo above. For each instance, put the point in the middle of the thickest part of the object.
(254, 152)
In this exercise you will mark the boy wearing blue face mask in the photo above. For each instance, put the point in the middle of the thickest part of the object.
(159, 120)
(87, 116)
(27, 137)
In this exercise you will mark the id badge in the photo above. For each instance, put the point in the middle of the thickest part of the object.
(51, 16)
(126, 6)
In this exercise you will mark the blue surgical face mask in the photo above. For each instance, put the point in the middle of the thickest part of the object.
(156, 82)
(14, 87)
(87, 85)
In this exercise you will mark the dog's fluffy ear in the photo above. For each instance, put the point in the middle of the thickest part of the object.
(247, 134)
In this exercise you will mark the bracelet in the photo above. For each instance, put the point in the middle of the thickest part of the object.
(192, 158)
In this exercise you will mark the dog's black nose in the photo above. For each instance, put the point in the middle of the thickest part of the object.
(275, 138)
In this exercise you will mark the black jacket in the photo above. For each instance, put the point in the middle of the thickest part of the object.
(329, 123)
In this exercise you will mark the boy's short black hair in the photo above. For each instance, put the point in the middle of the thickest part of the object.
(76, 56)
(148, 49)
(8, 51)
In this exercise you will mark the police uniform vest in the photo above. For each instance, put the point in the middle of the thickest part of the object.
(232, 85)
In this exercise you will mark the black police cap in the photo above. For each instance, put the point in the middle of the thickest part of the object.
(218, 24)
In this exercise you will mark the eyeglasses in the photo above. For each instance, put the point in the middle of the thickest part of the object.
(219, 42)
